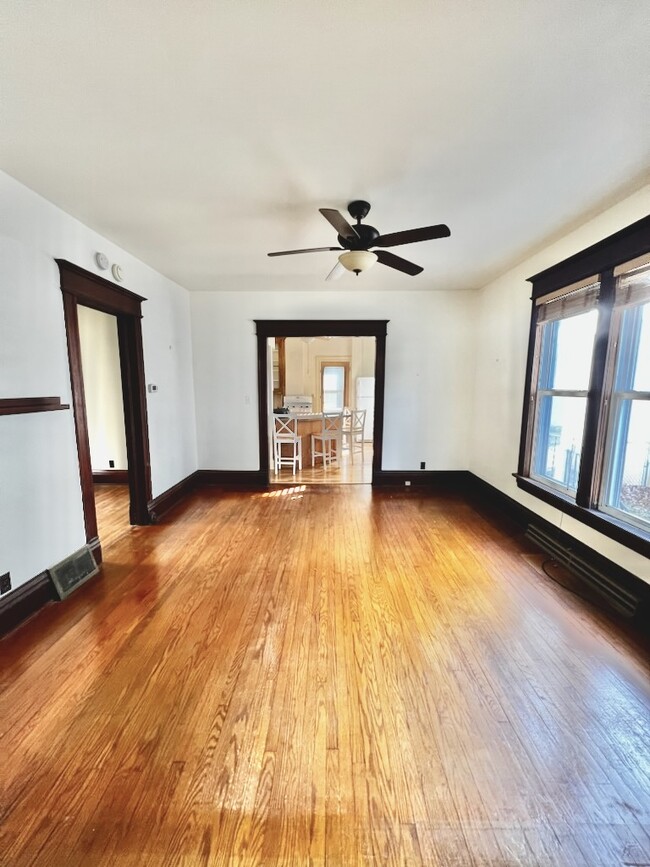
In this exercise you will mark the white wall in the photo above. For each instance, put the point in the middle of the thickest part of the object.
(303, 363)
(100, 357)
(41, 519)
(429, 370)
(503, 317)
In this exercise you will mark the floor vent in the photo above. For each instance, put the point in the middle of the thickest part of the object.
(618, 597)
(73, 571)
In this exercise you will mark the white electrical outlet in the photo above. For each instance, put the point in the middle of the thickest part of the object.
(408, 484)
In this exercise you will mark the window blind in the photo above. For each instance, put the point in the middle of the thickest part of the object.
(569, 301)
(633, 286)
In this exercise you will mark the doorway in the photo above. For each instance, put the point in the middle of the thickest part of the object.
(329, 380)
(83, 288)
(100, 359)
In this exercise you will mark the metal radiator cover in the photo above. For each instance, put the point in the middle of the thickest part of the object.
(618, 597)
(73, 571)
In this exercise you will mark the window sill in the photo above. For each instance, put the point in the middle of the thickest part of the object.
(633, 538)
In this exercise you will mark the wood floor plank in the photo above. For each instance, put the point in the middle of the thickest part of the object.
(325, 676)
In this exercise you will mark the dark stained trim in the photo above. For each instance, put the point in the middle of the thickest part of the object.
(437, 480)
(266, 328)
(110, 477)
(136, 428)
(630, 242)
(94, 291)
(321, 327)
(29, 598)
(162, 504)
(80, 418)
(96, 548)
(495, 502)
(83, 287)
(20, 405)
(598, 260)
(589, 458)
(252, 480)
(525, 438)
(609, 526)
(25, 601)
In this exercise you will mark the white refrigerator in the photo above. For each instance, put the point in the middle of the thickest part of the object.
(365, 399)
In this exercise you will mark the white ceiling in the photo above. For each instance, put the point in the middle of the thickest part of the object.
(200, 135)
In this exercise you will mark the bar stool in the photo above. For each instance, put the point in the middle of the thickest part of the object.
(329, 439)
(286, 436)
(353, 431)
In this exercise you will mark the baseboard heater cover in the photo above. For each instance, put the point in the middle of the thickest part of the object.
(74, 571)
(618, 597)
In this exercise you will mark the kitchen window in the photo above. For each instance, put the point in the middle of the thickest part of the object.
(585, 444)
(334, 386)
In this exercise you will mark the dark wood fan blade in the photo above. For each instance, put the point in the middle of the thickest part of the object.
(308, 250)
(336, 219)
(397, 262)
(410, 236)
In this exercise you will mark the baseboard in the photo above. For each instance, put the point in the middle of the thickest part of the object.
(486, 495)
(248, 479)
(111, 477)
(172, 497)
(96, 548)
(25, 601)
(437, 480)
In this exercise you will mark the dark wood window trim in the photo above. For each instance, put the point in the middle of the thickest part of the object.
(81, 287)
(599, 259)
(266, 328)
(21, 405)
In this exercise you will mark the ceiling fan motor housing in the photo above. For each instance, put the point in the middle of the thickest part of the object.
(366, 238)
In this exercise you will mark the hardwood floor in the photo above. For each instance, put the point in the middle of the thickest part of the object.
(112, 505)
(357, 472)
(323, 676)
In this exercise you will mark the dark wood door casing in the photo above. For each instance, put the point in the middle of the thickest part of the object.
(83, 287)
(376, 328)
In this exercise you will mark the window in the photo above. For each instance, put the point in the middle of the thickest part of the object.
(585, 443)
(566, 329)
(626, 488)
(334, 386)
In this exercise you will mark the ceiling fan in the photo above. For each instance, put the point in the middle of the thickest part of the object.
(357, 240)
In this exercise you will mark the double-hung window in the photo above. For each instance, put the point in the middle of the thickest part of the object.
(585, 444)
(626, 483)
(566, 326)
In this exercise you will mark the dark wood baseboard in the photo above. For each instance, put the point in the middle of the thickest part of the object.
(247, 479)
(488, 497)
(28, 599)
(22, 603)
(25, 601)
(437, 480)
(172, 497)
(111, 477)
(96, 548)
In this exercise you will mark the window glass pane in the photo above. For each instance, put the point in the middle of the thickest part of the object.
(333, 388)
(641, 380)
(629, 463)
(558, 439)
(567, 350)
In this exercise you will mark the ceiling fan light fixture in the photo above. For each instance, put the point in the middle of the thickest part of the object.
(358, 260)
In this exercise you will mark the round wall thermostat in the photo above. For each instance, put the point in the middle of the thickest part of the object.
(102, 261)
(117, 273)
